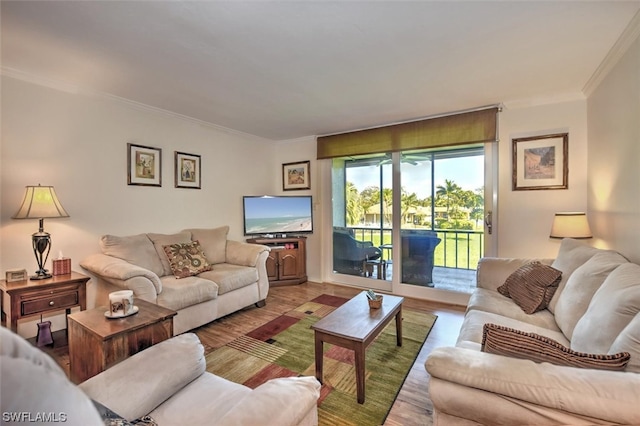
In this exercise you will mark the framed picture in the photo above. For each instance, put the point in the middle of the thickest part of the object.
(541, 162)
(188, 170)
(144, 165)
(296, 176)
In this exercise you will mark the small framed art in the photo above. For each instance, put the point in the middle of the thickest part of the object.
(296, 176)
(188, 170)
(144, 165)
(541, 162)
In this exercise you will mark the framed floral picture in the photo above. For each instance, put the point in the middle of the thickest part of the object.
(296, 176)
(188, 171)
(144, 165)
(541, 162)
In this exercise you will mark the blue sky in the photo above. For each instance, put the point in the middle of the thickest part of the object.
(467, 172)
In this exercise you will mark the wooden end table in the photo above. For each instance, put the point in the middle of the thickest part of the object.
(29, 298)
(354, 326)
(97, 342)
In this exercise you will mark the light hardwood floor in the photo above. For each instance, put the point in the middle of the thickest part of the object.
(412, 407)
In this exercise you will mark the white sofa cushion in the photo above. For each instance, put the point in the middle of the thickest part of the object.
(231, 277)
(571, 256)
(179, 293)
(629, 341)
(32, 383)
(494, 302)
(580, 288)
(473, 327)
(213, 242)
(135, 249)
(612, 308)
(161, 240)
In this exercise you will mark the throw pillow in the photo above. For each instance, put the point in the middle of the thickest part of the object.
(110, 418)
(531, 286)
(161, 240)
(213, 242)
(186, 259)
(506, 341)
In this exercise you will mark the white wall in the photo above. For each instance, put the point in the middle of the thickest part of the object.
(78, 143)
(525, 217)
(614, 156)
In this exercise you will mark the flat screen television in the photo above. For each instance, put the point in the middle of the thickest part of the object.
(284, 214)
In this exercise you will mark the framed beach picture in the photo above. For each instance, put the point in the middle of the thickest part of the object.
(188, 171)
(541, 162)
(296, 176)
(144, 165)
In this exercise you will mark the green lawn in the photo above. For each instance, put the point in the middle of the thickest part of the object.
(469, 247)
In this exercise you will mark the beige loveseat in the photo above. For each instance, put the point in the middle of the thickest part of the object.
(235, 279)
(166, 382)
(593, 312)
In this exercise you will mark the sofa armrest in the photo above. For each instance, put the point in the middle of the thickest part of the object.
(273, 400)
(609, 395)
(137, 385)
(245, 254)
(493, 271)
(144, 283)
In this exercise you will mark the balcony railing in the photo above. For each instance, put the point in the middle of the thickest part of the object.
(460, 249)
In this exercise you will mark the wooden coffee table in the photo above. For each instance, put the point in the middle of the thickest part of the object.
(354, 326)
(97, 342)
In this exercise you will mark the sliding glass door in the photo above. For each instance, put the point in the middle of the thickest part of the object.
(413, 218)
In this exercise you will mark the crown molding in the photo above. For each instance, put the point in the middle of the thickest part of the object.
(77, 90)
(544, 100)
(624, 42)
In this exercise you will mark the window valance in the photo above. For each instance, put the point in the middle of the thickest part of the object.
(477, 126)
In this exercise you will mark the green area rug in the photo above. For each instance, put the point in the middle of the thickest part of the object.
(284, 347)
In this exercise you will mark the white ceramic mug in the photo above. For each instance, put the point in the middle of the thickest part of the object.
(121, 302)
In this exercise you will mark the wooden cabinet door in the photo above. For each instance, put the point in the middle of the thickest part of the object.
(288, 264)
(272, 265)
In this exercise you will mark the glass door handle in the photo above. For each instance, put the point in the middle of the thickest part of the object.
(488, 220)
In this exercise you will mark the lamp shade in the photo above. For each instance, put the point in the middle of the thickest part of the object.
(40, 202)
(570, 225)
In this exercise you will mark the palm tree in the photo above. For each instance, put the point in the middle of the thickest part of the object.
(449, 193)
(354, 208)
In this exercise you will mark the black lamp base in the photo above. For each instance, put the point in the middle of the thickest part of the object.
(40, 275)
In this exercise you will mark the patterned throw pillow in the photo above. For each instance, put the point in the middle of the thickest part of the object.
(532, 286)
(506, 341)
(186, 259)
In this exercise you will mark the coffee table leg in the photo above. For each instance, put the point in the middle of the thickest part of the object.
(319, 357)
(359, 353)
(399, 327)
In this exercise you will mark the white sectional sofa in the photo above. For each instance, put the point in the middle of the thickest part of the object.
(235, 278)
(166, 383)
(511, 373)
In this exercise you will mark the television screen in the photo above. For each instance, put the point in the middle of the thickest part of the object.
(278, 215)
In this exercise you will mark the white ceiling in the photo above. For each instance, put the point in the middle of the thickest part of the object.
(284, 70)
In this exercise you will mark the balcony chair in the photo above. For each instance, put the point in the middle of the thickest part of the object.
(349, 253)
(417, 256)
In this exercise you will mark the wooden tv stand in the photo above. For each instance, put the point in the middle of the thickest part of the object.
(287, 261)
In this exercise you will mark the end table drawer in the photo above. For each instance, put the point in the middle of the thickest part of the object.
(55, 301)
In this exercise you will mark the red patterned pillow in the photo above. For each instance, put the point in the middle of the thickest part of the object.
(532, 286)
(186, 259)
(506, 341)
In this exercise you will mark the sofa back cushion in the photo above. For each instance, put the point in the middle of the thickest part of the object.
(135, 249)
(161, 240)
(580, 288)
(572, 254)
(213, 243)
(611, 310)
(629, 341)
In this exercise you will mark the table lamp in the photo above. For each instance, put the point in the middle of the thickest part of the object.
(41, 202)
(570, 225)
